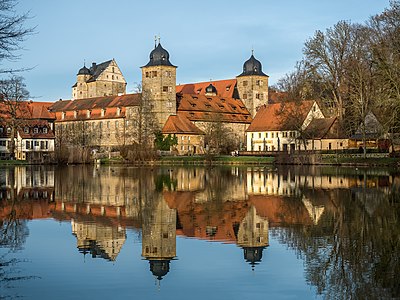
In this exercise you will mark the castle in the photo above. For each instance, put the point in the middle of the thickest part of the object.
(101, 114)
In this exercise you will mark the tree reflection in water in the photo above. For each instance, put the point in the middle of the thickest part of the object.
(353, 252)
(13, 231)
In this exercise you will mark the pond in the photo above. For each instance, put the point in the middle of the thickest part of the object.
(83, 232)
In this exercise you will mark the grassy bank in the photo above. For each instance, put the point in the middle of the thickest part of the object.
(370, 161)
(13, 162)
(233, 160)
(255, 160)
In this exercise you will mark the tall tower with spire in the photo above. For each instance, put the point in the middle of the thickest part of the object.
(252, 85)
(159, 84)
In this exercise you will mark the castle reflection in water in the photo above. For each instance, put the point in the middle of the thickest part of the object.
(231, 205)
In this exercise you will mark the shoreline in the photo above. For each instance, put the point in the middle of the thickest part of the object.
(231, 161)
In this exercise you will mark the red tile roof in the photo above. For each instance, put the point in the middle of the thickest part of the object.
(110, 104)
(271, 117)
(40, 110)
(213, 108)
(276, 97)
(27, 110)
(225, 88)
(179, 124)
(96, 103)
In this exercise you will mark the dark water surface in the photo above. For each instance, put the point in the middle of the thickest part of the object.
(199, 233)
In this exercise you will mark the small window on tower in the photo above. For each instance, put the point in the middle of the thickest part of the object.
(154, 73)
(245, 83)
(244, 96)
(165, 89)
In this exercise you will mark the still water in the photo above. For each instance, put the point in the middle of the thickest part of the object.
(199, 233)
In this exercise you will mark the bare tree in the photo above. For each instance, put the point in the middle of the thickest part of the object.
(218, 137)
(385, 51)
(12, 31)
(140, 128)
(327, 54)
(12, 93)
(360, 82)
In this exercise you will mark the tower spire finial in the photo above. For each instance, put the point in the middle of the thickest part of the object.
(159, 38)
(155, 41)
(252, 50)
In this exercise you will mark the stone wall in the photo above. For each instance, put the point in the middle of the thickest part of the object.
(253, 91)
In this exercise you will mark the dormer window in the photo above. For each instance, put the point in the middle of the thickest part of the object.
(8, 130)
(88, 113)
(44, 129)
(75, 114)
(26, 130)
(118, 111)
(35, 130)
(103, 111)
(62, 115)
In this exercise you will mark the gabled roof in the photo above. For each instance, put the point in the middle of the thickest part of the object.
(179, 124)
(213, 108)
(40, 124)
(271, 117)
(96, 102)
(322, 128)
(96, 70)
(225, 88)
(373, 128)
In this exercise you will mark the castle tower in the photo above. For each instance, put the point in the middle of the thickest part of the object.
(252, 85)
(159, 84)
(158, 235)
(253, 236)
(80, 88)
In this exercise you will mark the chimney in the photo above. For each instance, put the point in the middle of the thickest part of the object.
(93, 65)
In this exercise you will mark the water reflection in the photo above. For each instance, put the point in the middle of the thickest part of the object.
(99, 240)
(343, 223)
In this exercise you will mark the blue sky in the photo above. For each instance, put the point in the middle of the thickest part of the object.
(206, 40)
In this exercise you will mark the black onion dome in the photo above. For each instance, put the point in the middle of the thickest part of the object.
(159, 268)
(252, 66)
(84, 71)
(253, 255)
(159, 57)
(211, 89)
